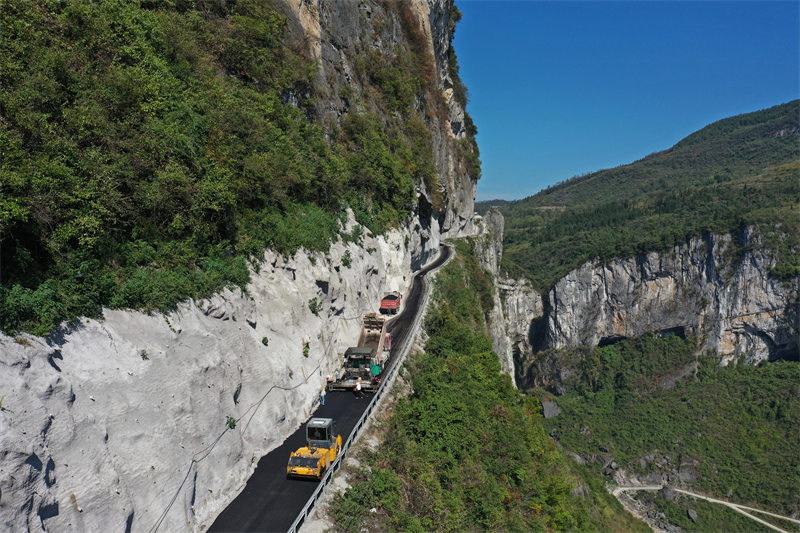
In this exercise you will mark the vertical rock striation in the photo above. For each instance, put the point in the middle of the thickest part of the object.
(714, 287)
(516, 304)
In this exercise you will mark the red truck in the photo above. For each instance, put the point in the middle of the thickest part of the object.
(390, 303)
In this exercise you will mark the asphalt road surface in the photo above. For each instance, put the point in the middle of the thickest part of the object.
(269, 501)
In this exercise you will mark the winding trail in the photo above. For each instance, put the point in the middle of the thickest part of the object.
(616, 491)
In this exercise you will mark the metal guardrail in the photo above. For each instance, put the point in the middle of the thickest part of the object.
(390, 375)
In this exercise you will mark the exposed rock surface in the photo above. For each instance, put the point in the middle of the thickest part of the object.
(516, 303)
(703, 287)
(717, 287)
(105, 422)
(521, 306)
(340, 33)
(107, 417)
(550, 409)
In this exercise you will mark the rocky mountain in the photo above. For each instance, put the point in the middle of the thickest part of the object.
(740, 171)
(637, 304)
(626, 356)
(731, 303)
(141, 421)
(703, 245)
(121, 422)
(707, 288)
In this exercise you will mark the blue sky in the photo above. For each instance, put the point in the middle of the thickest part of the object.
(558, 89)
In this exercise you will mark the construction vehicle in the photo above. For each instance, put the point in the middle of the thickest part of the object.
(364, 363)
(390, 303)
(320, 451)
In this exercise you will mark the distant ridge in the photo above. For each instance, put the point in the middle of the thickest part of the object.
(737, 171)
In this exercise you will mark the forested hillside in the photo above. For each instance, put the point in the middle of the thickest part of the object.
(150, 149)
(738, 171)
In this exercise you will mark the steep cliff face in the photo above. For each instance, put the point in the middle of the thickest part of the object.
(121, 424)
(344, 36)
(516, 303)
(717, 288)
(713, 287)
(521, 306)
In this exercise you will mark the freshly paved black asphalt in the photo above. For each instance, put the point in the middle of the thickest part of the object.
(269, 501)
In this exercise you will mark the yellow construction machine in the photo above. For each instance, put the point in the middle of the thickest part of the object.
(322, 448)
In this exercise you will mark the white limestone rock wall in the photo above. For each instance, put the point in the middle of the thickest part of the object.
(736, 307)
(488, 251)
(101, 423)
(521, 306)
(489, 240)
(516, 303)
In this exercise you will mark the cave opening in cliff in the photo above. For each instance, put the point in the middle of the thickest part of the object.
(608, 341)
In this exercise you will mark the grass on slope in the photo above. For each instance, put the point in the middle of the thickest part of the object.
(466, 451)
(736, 172)
(735, 428)
(726, 150)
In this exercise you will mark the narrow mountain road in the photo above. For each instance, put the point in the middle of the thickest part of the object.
(269, 501)
(735, 506)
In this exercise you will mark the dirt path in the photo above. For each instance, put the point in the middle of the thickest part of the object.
(617, 492)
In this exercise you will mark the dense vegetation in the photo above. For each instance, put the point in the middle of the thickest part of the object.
(734, 428)
(150, 149)
(466, 451)
(736, 172)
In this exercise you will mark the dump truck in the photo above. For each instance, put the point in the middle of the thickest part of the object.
(321, 450)
(390, 303)
(364, 363)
